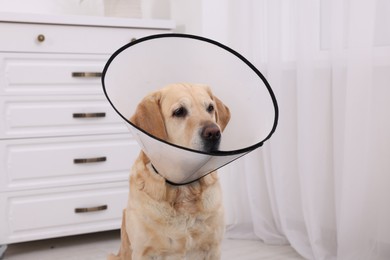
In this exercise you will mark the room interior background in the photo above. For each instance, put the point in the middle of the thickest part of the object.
(322, 182)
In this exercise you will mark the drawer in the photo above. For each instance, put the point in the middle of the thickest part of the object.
(47, 213)
(45, 116)
(23, 37)
(51, 162)
(47, 74)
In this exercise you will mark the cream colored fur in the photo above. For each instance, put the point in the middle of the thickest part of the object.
(163, 221)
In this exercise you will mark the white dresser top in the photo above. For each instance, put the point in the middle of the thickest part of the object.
(100, 21)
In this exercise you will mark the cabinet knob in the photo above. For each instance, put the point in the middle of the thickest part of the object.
(41, 38)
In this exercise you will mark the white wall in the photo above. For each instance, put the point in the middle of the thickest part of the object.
(188, 15)
(77, 7)
(157, 9)
(202, 17)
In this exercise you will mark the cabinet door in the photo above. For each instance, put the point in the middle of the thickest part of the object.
(54, 162)
(44, 213)
(44, 116)
(50, 74)
(45, 38)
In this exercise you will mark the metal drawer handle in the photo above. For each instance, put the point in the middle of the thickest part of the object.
(90, 160)
(86, 74)
(91, 209)
(89, 115)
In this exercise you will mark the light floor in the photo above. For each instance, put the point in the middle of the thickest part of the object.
(98, 245)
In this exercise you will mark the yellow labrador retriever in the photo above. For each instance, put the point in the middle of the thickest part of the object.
(164, 221)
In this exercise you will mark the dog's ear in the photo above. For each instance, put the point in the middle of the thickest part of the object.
(222, 113)
(148, 116)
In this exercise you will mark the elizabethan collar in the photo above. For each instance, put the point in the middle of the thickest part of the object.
(153, 62)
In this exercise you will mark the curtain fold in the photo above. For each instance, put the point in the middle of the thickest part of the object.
(322, 182)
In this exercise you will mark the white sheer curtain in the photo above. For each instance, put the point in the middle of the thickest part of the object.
(322, 182)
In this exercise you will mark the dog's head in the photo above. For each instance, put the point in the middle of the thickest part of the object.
(187, 115)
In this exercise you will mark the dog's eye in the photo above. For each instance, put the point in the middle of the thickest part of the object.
(180, 112)
(210, 108)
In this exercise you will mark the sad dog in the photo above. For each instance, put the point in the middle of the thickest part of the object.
(163, 221)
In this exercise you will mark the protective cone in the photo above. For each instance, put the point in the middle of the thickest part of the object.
(150, 63)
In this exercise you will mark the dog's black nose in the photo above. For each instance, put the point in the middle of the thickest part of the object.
(211, 133)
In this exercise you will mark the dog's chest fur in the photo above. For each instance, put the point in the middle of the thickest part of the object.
(185, 216)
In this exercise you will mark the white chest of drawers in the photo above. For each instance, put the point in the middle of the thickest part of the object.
(64, 153)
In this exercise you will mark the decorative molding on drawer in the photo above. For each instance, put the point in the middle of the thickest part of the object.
(44, 116)
(48, 74)
(44, 213)
(50, 162)
(67, 39)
